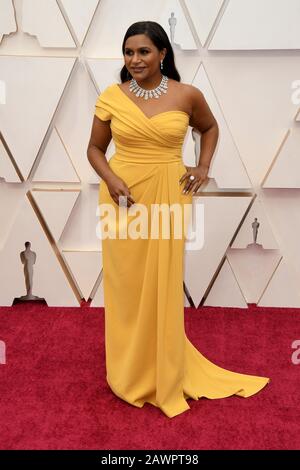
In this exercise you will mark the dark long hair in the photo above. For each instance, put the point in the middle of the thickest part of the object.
(160, 39)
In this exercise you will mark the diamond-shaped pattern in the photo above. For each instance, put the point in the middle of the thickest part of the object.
(49, 191)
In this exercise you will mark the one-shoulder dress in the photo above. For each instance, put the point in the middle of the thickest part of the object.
(149, 358)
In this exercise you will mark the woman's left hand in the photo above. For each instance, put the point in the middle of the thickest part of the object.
(200, 173)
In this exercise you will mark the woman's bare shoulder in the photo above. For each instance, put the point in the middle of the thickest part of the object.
(188, 93)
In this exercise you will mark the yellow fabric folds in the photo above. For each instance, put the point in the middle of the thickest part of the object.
(148, 355)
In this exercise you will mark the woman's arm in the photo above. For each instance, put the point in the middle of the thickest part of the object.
(203, 120)
(99, 141)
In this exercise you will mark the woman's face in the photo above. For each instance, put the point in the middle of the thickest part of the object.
(142, 58)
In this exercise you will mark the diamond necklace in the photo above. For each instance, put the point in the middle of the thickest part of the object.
(155, 93)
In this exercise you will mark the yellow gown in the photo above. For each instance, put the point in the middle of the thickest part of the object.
(148, 355)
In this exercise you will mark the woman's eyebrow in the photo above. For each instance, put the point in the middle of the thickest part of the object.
(142, 47)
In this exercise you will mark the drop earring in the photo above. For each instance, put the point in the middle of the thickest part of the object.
(161, 64)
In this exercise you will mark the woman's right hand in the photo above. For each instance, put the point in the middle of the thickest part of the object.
(117, 187)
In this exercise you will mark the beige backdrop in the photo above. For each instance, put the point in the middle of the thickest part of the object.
(57, 56)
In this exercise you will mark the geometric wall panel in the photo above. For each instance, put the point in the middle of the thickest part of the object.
(253, 268)
(285, 170)
(7, 170)
(257, 107)
(225, 291)
(85, 267)
(81, 231)
(73, 121)
(222, 216)
(226, 166)
(46, 113)
(56, 207)
(283, 289)
(264, 235)
(11, 197)
(35, 87)
(190, 154)
(183, 37)
(107, 30)
(282, 207)
(7, 18)
(106, 33)
(105, 71)
(55, 164)
(203, 14)
(80, 15)
(190, 149)
(49, 279)
(45, 21)
(256, 24)
(187, 66)
(98, 299)
(186, 301)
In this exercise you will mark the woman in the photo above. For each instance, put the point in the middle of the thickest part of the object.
(148, 356)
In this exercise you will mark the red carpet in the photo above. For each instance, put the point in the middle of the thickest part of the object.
(54, 394)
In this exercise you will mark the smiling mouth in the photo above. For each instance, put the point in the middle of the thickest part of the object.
(138, 69)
